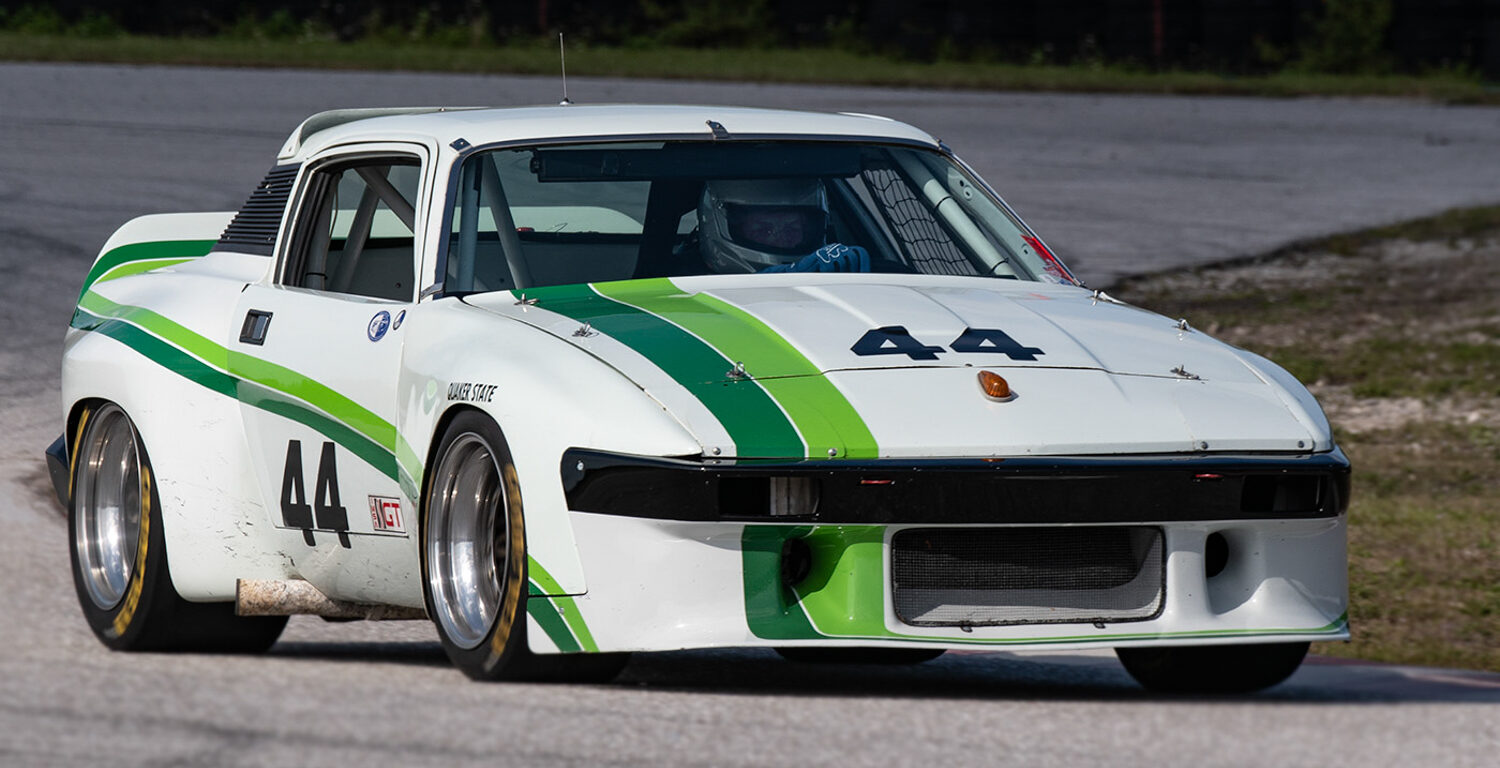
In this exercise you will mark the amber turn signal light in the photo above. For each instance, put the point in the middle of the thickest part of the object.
(995, 386)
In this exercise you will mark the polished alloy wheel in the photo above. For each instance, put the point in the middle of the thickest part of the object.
(107, 502)
(468, 540)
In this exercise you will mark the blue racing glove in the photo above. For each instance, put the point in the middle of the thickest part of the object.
(834, 257)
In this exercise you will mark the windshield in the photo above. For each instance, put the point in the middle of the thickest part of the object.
(599, 212)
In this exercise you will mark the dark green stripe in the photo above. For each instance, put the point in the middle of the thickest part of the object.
(754, 421)
(168, 356)
(165, 249)
(273, 402)
(551, 621)
(822, 415)
(195, 370)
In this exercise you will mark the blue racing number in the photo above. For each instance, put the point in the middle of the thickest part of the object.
(896, 340)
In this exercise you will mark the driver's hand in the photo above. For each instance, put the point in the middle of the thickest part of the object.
(834, 257)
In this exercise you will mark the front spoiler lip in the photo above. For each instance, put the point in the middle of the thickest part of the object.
(1136, 488)
(57, 467)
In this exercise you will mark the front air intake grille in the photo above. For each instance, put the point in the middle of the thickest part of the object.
(944, 577)
(254, 228)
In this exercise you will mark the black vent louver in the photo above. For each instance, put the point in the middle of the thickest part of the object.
(254, 228)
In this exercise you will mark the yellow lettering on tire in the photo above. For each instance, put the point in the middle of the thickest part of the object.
(137, 579)
(515, 570)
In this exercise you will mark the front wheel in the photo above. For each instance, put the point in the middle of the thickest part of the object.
(474, 562)
(1212, 668)
(119, 552)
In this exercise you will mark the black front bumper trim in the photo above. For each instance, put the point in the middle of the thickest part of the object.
(1026, 490)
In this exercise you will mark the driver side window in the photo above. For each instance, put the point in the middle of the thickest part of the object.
(354, 231)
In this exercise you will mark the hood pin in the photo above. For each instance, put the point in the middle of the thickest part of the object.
(585, 331)
(738, 372)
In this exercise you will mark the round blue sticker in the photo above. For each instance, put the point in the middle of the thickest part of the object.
(379, 324)
(399, 318)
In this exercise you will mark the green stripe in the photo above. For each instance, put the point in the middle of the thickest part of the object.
(551, 622)
(356, 428)
(819, 410)
(565, 604)
(160, 326)
(165, 355)
(772, 611)
(166, 249)
(284, 379)
(753, 420)
(137, 267)
(271, 401)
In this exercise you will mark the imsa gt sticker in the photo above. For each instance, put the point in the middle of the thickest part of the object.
(385, 514)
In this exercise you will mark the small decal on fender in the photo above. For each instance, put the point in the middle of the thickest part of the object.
(379, 324)
(385, 514)
(471, 392)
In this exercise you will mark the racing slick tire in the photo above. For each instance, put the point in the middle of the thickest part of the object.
(474, 562)
(1212, 669)
(119, 552)
(890, 656)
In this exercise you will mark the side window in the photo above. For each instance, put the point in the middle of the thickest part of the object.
(354, 232)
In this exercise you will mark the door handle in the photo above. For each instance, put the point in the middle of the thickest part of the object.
(257, 322)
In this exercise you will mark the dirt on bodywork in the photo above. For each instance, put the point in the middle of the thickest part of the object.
(1397, 333)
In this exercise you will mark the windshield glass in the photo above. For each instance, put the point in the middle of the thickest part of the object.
(598, 212)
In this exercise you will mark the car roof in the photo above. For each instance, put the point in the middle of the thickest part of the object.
(479, 126)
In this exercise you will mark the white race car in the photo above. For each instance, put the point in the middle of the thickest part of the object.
(574, 382)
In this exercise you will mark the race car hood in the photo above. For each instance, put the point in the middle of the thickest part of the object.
(898, 355)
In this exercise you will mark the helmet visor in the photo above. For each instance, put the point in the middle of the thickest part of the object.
(781, 229)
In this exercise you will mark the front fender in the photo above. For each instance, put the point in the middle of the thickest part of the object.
(546, 395)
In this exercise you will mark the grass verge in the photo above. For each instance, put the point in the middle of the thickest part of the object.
(1397, 331)
(784, 66)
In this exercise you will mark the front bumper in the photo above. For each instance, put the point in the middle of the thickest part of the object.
(668, 570)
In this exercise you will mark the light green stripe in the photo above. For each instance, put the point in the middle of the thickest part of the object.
(820, 412)
(548, 618)
(404, 467)
(566, 606)
(164, 249)
(411, 466)
(267, 374)
(757, 425)
(321, 395)
(169, 330)
(176, 360)
(137, 267)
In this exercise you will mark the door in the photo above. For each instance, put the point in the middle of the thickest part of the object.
(318, 353)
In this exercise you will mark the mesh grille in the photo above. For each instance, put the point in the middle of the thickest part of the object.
(254, 228)
(931, 250)
(986, 576)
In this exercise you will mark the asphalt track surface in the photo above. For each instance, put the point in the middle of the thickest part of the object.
(1118, 185)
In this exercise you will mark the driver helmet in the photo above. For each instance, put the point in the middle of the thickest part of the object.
(748, 225)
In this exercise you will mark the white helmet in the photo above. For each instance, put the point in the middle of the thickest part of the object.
(748, 225)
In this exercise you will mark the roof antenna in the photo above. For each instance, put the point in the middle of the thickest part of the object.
(562, 56)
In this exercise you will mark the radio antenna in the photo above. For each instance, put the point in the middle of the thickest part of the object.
(562, 55)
